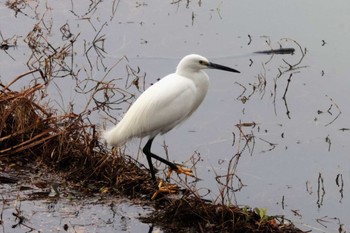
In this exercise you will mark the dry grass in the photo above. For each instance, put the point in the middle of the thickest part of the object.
(31, 132)
(196, 215)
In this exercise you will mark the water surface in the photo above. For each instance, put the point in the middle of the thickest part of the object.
(297, 165)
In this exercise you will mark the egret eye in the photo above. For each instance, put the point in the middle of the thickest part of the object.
(201, 62)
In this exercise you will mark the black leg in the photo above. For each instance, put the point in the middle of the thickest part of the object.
(147, 151)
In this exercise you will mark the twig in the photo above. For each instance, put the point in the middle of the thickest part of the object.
(25, 74)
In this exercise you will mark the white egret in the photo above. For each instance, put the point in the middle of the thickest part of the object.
(164, 105)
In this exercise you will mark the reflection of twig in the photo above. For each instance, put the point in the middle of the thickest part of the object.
(19, 215)
(322, 220)
(244, 90)
(6, 44)
(20, 5)
(92, 8)
(291, 68)
(308, 187)
(66, 33)
(227, 181)
(328, 140)
(303, 52)
(52, 60)
(340, 183)
(285, 93)
(98, 46)
(339, 111)
(230, 182)
(114, 7)
(219, 11)
(4, 203)
(250, 39)
(320, 191)
(243, 97)
(262, 82)
(260, 86)
(248, 137)
(251, 62)
(272, 145)
(136, 74)
(105, 95)
(268, 42)
(327, 220)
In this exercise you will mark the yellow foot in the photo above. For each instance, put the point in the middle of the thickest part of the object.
(165, 188)
(115, 151)
(180, 170)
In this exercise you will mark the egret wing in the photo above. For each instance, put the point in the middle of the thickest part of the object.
(163, 106)
(159, 109)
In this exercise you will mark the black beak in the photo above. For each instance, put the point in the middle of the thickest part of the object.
(220, 67)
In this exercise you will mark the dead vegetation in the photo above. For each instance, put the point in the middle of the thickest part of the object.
(31, 132)
(195, 215)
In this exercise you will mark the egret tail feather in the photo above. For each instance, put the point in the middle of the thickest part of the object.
(113, 137)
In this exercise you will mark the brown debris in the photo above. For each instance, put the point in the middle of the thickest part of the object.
(31, 132)
(196, 215)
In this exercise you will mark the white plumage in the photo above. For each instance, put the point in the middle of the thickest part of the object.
(165, 104)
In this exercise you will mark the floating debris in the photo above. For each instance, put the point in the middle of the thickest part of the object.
(278, 51)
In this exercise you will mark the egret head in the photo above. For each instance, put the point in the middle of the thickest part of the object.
(194, 63)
